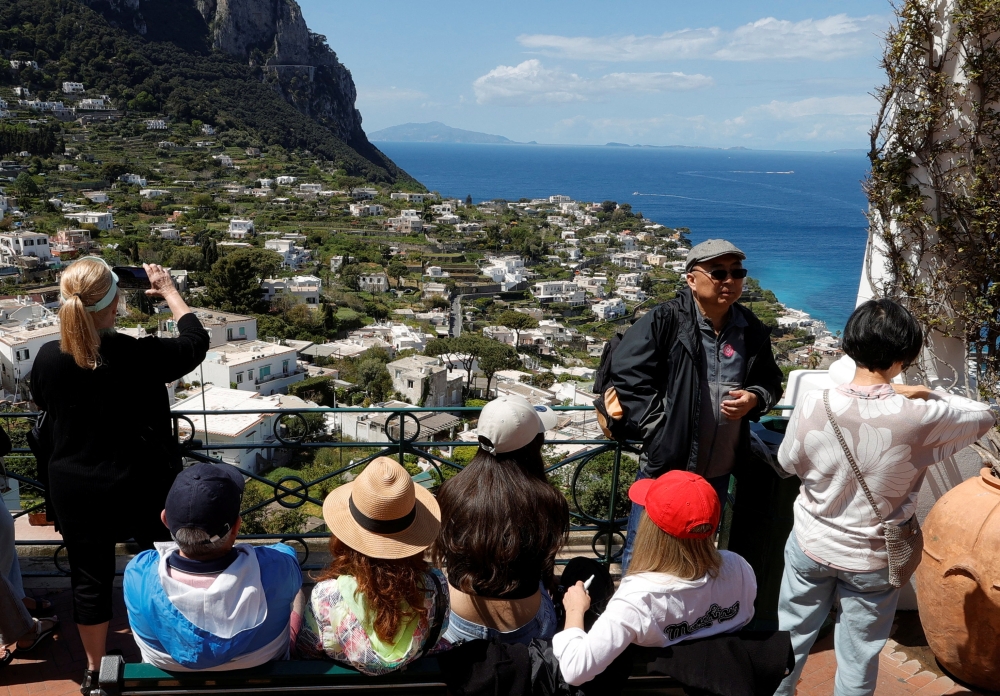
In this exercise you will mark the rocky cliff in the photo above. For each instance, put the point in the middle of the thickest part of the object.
(270, 35)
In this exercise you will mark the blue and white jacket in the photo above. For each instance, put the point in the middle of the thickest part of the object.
(242, 620)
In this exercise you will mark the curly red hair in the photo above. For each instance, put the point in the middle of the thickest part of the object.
(384, 583)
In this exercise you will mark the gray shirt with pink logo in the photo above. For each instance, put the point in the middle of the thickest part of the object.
(723, 369)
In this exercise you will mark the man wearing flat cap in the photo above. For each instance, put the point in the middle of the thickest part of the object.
(693, 372)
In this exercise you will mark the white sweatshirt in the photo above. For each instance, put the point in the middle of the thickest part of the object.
(657, 610)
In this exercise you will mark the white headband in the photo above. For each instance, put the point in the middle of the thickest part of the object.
(109, 296)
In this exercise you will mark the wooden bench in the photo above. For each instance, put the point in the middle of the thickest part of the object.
(422, 677)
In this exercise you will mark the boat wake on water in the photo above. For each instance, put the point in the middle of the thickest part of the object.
(708, 200)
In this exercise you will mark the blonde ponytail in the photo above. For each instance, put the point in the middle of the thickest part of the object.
(83, 284)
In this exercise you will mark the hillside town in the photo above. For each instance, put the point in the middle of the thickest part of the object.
(316, 284)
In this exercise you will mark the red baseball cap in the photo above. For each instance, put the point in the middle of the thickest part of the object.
(680, 503)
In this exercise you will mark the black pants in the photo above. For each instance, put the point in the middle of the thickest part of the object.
(92, 572)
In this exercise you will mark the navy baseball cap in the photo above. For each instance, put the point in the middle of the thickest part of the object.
(206, 497)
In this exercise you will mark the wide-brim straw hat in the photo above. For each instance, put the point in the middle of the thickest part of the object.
(382, 513)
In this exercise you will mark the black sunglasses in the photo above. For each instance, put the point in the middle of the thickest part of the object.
(720, 274)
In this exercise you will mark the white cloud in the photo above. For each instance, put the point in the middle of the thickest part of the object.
(531, 82)
(828, 38)
(860, 106)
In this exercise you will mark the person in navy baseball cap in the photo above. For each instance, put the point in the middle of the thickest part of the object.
(205, 497)
(203, 601)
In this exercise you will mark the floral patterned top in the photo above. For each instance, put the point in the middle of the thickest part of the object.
(338, 625)
(893, 439)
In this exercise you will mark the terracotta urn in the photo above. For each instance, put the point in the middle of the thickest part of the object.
(958, 581)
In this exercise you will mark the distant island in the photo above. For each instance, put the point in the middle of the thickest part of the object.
(676, 147)
(435, 132)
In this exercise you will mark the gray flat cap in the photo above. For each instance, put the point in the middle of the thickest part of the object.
(711, 249)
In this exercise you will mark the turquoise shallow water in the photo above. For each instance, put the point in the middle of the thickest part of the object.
(799, 216)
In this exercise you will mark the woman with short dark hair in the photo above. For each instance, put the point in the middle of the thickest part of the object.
(837, 551)
(502, 523)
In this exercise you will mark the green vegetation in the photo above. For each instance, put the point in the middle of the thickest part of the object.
(179, 76)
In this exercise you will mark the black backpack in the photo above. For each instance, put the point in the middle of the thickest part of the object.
(610, 415)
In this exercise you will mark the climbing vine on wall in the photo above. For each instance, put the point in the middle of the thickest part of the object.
(934, 188)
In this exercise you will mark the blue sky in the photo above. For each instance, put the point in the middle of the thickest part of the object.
(772, 74)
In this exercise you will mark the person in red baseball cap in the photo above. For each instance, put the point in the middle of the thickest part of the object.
(678, 586)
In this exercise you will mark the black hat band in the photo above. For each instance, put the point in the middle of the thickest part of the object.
(382, 526)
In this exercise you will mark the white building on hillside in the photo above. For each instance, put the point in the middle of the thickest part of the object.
(72, 87)
(631, 294)
(266, 368)
(24, 249)
(226, 428)
(509, 271)
(133, 179)
(25, 327)
(558, 291)
(408, 197)
(222, 327)
(610, 309)
(102, 221)
(240, 229)
(304, 288)
(423, 381)
(404, 337)
(292, 255)
(631, 259)
(373, 282)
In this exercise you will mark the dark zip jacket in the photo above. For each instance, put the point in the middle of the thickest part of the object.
(655, 372)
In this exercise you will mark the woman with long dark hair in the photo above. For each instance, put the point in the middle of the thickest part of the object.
(113, 452)
(502, 524)
(378, 605)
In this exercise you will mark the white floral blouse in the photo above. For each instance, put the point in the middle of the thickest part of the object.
(893, 440)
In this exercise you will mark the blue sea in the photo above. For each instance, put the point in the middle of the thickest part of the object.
(799, 216)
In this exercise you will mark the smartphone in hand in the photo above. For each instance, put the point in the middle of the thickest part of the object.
(132, 277)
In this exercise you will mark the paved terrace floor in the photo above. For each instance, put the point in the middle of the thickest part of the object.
(54, 668)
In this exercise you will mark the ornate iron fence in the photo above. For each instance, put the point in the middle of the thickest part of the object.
(293, 431)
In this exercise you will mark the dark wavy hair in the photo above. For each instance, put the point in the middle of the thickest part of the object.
(881, 333)
(501, 520)
(384, 583)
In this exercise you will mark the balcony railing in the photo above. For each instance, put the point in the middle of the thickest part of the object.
(578, 474)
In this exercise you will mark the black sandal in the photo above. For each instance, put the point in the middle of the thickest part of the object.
(41, 634)
(91, 681)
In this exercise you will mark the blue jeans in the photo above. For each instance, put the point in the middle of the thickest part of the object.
(543, 625)
(867, 606)
(719, 483)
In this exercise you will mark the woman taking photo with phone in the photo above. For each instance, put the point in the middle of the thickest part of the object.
(112, 452)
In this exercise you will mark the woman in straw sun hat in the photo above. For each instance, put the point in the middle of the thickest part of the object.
(378, 605)
(503, 523)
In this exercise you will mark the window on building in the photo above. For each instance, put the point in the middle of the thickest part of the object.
(229, 334)
(264, 371)
(250, 374)
(239, 378)
(243, 331)
(284, 366)
(409, 384)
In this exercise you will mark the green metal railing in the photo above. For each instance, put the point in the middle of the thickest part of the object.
(292, 491)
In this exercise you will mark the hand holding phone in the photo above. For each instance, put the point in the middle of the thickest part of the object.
(132, 277)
